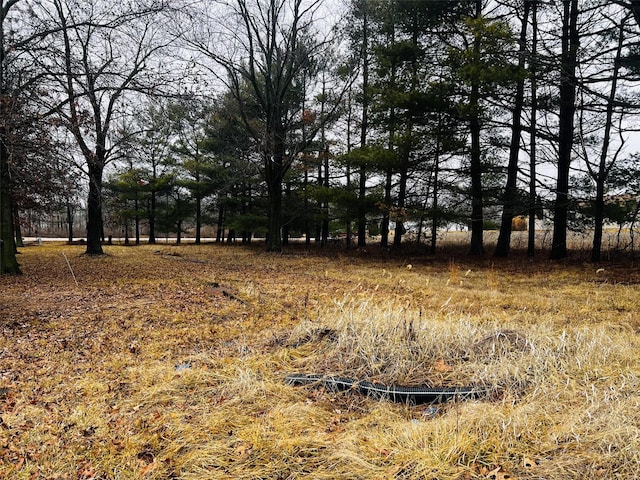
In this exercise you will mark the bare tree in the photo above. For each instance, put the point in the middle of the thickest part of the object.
(102, 56)
(264, 48)
(600, 156)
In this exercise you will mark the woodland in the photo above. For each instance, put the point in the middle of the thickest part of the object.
(365, 121)
(381, 195)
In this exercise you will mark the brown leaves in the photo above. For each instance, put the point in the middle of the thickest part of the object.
(243, 449)
(147, 462)
(86, 471)
(440, 366)
(100, 373)
(501, 473)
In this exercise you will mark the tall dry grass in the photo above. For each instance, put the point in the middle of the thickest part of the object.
(146, 372)
(565, 397)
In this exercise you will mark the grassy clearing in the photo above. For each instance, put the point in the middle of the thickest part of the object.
(167, 362)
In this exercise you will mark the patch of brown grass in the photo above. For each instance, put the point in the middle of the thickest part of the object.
(149, 370)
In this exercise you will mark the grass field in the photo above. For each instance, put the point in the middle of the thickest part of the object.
(168, 362)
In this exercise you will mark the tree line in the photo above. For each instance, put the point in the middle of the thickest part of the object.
(316, 118)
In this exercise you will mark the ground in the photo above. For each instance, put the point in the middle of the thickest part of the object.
(168, 362)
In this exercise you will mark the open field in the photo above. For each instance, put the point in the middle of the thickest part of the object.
(168, 362)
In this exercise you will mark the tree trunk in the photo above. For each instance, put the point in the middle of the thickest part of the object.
(477, 215)
(348, 219)
(348, 173)
(198, 219)
(362, 219)
(126, 232)
(598, 222)
(570, 41)
(307, 212)
(152, 218)
(603, 169)
(531, 241)
(384, 225)
(69, 222)
(318, 222)
(8, 261)
(18, 230)
(274, 215)
(436, 190)
(402, 193)
(94, 210)
(137, 220)
(220, 226)
(246, 209)
(325, 206)
(274, 173)
(510, 192)
(285, 226)
(364, 127)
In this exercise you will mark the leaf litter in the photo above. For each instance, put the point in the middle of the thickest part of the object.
(147, 369)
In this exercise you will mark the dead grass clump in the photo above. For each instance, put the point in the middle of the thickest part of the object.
(391, 344)
(573, 391)
(502, 340)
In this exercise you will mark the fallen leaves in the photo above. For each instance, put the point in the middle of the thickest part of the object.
(86, 471)
(499, 474)
(150, 369)
(440, 366)
(147, 462)
(243, 449)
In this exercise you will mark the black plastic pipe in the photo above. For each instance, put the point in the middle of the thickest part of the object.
(394, 393)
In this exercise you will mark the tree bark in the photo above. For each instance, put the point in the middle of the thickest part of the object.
(274, 213)
(94, 210)
(8, 261)
(477, 215)
(220, 226)
(475, 127)
(18, 229)
(384, 224)
(152, 218)
(570, 41)
(402, 193)
(510, 192)
(137, 219)
(603, 167)
(69, 222)
(364, 127)
(531, 240)
(362, 210)
(436, 190)
(198, 214)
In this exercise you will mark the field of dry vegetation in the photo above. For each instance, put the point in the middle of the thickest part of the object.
(168, 362)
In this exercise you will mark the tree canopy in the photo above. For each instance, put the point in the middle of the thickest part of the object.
(316, 119)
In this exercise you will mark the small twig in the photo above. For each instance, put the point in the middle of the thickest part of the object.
(71, 270)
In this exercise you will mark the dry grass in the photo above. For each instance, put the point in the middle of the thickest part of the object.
(148, 370)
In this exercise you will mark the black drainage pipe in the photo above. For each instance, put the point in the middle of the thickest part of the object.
(394, 393)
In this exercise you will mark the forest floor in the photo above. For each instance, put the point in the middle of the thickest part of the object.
(167, 362)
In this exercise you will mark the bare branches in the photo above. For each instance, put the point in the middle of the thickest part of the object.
(261, 51)
(99, 57)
